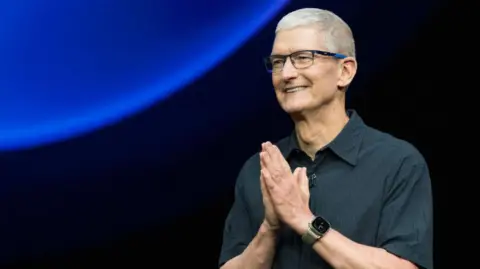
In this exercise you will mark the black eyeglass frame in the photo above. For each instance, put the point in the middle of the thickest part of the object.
(268, 60)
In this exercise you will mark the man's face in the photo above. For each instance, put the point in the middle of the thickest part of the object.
(319, 82)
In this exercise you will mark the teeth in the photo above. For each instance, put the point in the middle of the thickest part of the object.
(296, 89)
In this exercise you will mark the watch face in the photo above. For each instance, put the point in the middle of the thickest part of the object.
(320, 225)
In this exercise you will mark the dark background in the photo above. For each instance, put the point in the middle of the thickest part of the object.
(164, 200)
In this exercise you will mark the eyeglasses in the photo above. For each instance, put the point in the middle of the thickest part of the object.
(300, 59)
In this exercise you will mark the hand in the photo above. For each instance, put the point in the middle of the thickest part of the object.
(302, 181)
(289, 193)
(271, 220)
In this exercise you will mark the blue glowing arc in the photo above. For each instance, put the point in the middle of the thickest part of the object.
(72, 67)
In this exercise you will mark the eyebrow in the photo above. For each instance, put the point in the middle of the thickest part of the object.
(290, 52)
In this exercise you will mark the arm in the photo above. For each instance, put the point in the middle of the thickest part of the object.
(343, 253)
(259, 253)
(244, 245)
(404, 239)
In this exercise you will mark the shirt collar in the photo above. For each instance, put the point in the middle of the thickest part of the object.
(346, 145)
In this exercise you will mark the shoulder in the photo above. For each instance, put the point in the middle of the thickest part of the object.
(391, 148)
(405, 165)
(252, 164)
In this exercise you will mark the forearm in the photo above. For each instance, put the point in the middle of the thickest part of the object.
(259, 254)
(343, 253)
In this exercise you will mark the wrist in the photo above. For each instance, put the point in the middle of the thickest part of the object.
(267, 228)
(300, 224)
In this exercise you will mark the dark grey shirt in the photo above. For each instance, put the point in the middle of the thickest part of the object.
(372, 187)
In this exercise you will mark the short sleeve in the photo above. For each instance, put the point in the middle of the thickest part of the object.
(406, 224)
(237, 232)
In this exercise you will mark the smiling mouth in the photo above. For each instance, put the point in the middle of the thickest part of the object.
(294, 89)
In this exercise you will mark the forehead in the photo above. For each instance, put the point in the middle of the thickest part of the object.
(300, 38)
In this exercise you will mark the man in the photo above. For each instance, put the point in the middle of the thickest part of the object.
(357, 197)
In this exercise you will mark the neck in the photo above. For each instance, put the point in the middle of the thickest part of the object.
(316, 129)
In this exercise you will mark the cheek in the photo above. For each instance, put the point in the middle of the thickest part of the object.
(324, 80)
(278, 86)
(276, 81)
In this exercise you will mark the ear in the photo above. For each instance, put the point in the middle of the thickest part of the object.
(347, 70)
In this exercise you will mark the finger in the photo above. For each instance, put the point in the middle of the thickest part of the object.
(264, 159)
(261, 161)
(262, 183)
(298, 175)
(267, 179)
(274, 170)
(269, 148)
(301, 178)
(304, 180)
(296, 172)
(276, 155)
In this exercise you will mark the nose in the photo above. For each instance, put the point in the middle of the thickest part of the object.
(289, 71)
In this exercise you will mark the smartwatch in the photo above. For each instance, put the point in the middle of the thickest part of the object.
(316, 229)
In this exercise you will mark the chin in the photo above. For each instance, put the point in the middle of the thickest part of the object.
(294, 109)
(296, 102)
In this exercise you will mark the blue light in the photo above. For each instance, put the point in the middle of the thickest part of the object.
(68, 68)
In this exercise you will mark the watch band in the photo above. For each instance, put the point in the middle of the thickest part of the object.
(316, 229)
(310, 236)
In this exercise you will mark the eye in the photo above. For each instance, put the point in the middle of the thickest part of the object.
(277, 61)
(303, 57)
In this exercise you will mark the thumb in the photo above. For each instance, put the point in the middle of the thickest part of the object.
(303, 180)
(296, 173)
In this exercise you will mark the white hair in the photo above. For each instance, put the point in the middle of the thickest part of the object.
(338, 35)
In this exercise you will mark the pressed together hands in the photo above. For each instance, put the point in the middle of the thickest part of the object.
(285, 194)
(286, 201)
